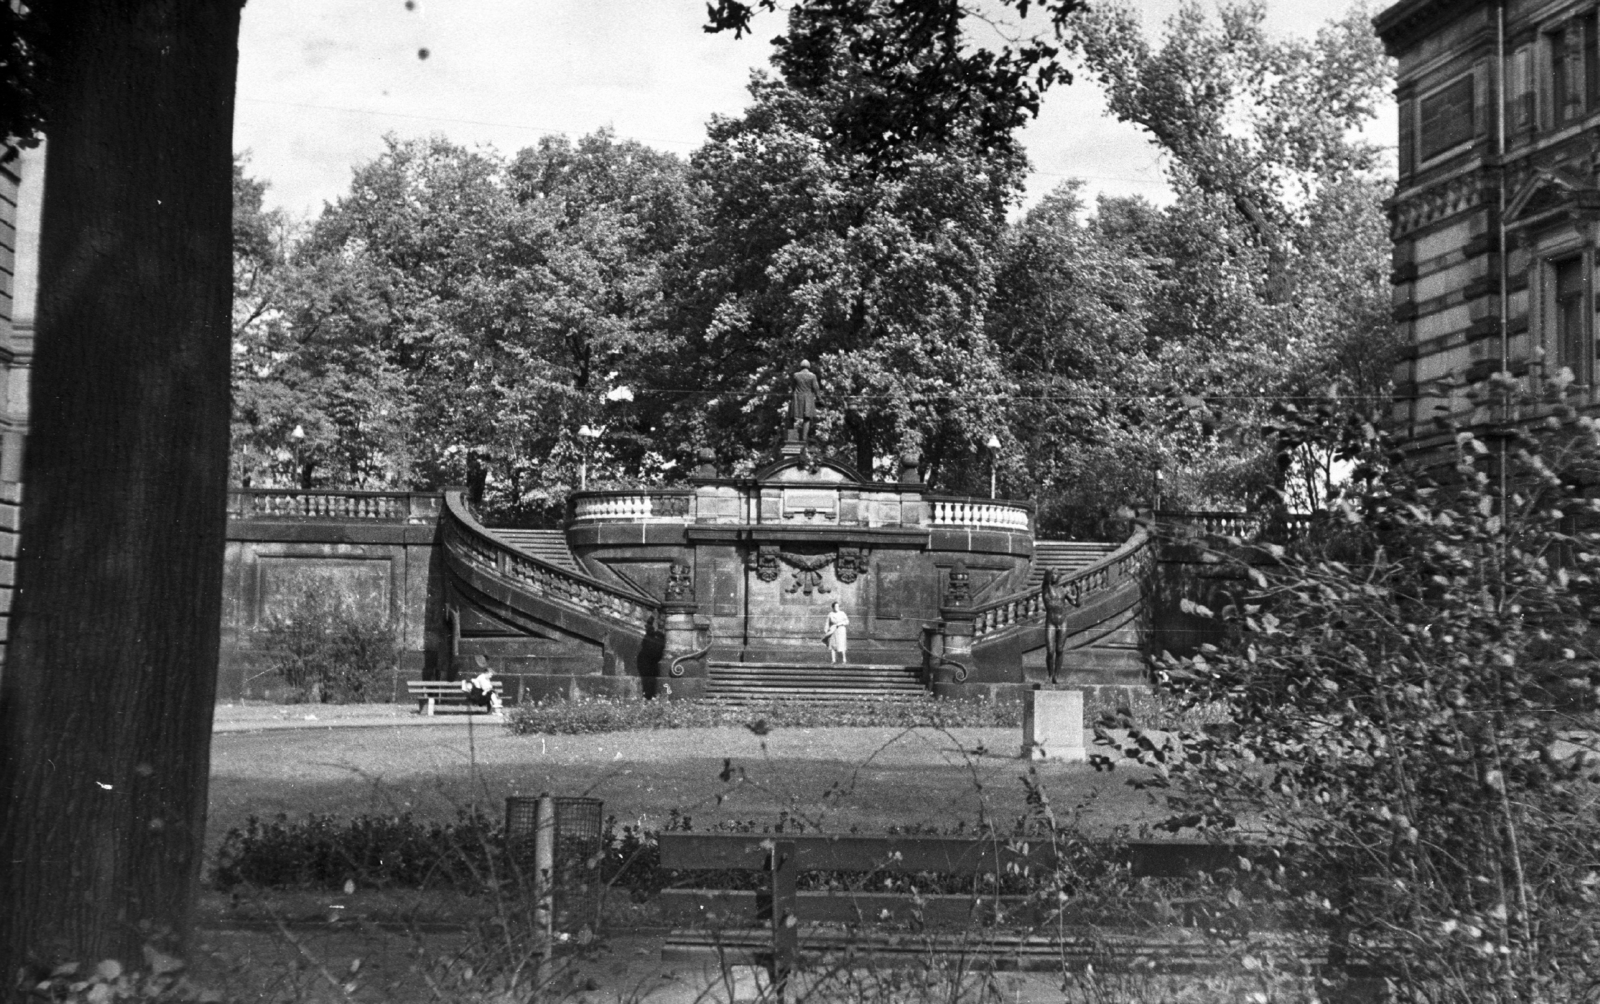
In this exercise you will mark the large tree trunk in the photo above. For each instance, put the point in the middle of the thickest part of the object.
(106, 699)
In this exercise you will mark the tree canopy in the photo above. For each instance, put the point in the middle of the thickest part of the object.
(460, 314)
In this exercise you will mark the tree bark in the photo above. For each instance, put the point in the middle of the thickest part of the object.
(106, 699)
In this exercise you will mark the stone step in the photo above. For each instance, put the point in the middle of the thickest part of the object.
(729, 686)
(800, 693)
(808, 666)
(817, 678)
(1065, 556)
(820, 681)
(551, 545)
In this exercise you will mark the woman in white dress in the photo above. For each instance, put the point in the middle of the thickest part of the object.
(834, 634)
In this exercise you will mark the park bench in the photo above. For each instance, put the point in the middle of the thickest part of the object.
(748, 927)
(428, 693)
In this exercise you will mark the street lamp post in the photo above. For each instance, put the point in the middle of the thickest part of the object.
(994, 456)
(587, 434)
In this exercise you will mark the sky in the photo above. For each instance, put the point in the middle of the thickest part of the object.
(321, 82)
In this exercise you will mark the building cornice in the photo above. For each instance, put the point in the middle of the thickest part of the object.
(1400, 26)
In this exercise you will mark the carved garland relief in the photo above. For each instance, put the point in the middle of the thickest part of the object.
(848, 562)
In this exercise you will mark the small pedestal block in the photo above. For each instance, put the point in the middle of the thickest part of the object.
(684, 650)
(1052, 725)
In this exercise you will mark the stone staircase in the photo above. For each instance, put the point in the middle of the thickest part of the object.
(550, 545)
(1065, 556)
(750, 682)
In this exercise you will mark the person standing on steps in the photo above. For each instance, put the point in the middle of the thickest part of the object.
(834, 635)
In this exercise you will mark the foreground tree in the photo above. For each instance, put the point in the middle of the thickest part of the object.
(107, 695)
(1411, 689)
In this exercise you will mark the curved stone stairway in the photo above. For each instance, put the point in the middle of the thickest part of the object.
(553, 627)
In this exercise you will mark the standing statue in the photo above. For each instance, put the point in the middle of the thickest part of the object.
(1056, 598)
(803, 401)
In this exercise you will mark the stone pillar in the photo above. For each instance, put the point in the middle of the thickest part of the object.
(683, 673)
(1052, 725)
(950, 672)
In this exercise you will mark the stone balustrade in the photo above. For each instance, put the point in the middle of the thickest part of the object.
(821, 504)
(1243, 525)
(1027, 608)
(987, 514)
(632, 507)
(296, 504)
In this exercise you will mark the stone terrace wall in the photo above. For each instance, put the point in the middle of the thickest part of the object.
(377, 549)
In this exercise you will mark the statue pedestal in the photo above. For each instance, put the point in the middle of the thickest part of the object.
(950, 675)
(1052, 725)
(792, 446)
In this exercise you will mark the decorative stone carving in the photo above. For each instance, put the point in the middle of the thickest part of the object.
(910, 464)
(705, 463)
(1451, 196)
(680, 583)
(670, 505)
(959, 592)
(767, 563)
(808, 571)
(852, 561)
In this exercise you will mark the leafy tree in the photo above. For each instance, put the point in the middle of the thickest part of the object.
(311, 403)
(919, 76)
(879, 274)
(1265, 282)
(456, 318)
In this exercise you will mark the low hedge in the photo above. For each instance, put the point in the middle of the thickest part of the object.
(588, 715)
(591, 715)
(470, 855)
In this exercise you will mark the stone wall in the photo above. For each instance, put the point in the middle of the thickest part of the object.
(381, 556)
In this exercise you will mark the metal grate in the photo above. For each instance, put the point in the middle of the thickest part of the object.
(576, 878)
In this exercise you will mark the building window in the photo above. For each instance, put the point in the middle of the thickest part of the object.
(1519, 92)
(1572, 69)
(1445, 118)
(1570, 314)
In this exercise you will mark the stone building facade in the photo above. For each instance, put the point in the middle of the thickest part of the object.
(20, 199)
(1494, 217)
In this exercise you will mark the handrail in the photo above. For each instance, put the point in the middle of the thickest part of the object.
(333, 504)
(1027, 606)
(542, 578)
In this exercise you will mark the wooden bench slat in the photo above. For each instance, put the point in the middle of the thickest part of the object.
(945, 855)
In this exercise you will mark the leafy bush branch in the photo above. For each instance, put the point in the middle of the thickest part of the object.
(1410, 691)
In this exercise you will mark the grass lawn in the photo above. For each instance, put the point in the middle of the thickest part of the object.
(870, 778)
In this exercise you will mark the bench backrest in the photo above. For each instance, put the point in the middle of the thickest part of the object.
(945, 855)
(439, 686)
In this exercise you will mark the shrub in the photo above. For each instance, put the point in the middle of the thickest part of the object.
(591, 715)
(326, 852)
(1399, 686)
(329, 652)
